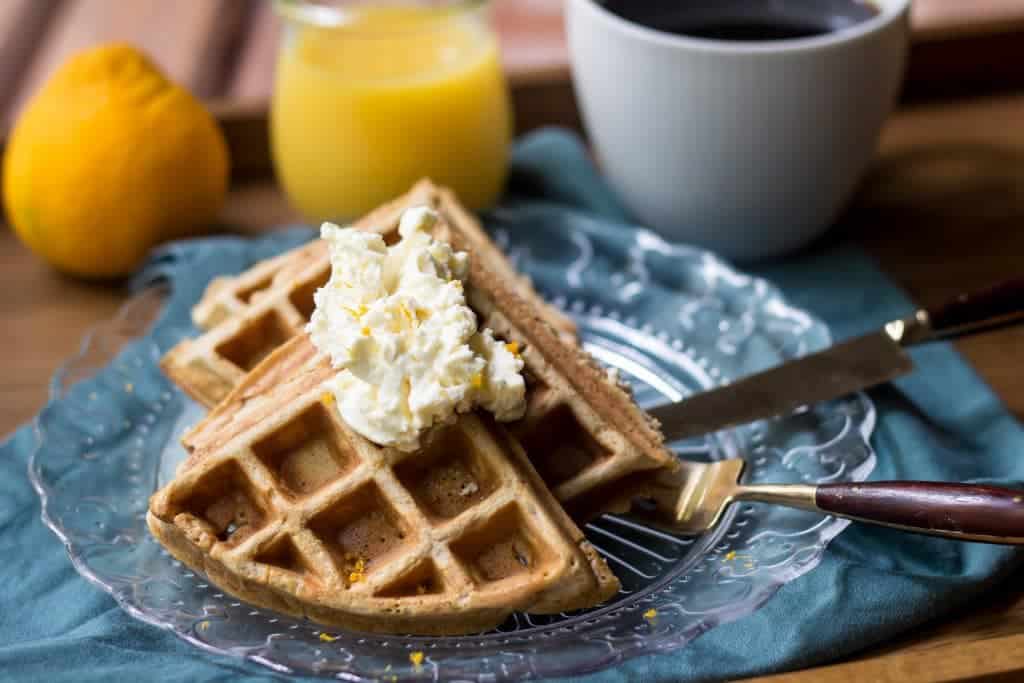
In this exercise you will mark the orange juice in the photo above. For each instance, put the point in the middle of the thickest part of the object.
(393, 93)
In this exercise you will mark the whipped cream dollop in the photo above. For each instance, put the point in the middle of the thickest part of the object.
(395, 321)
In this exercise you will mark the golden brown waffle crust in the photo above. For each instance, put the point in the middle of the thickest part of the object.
(567, 380)
(565, 574)
(256, 591)
(444, 619)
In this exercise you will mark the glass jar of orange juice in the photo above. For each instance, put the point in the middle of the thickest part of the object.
(371, 96)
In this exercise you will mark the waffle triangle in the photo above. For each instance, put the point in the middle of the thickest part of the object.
(591, 444)
(282, 505)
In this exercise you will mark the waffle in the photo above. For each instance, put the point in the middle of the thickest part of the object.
(283, 506)
(591, 444)
(210, 367)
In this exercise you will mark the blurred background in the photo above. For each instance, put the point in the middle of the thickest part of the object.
(225, 49)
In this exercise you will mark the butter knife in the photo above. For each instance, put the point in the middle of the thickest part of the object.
(841, 369)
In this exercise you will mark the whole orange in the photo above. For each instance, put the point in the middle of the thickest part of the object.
(108, 159)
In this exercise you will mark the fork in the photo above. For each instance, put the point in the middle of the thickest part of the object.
(692, 500)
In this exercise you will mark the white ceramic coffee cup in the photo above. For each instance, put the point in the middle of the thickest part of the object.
(749, 149)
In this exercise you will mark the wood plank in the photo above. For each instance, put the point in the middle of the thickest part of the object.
(193, 40)
(989, 660)
(533, 45)
(965, 65)
(949, 19)
(42, 326)
(22, 24)
(257, 206)
(253, 76)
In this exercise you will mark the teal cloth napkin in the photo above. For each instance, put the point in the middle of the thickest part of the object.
(940, 423)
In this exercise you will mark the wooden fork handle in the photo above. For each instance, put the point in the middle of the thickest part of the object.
(967, 512)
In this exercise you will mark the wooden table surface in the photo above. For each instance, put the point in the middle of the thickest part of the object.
(942, 209)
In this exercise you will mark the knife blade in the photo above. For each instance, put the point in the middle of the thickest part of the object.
(844, 368)
(838, 370)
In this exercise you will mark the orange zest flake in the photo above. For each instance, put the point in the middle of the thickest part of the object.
(422, 314)
(650, 614)
(358, 572)
(366, 331)
(748, 561)
(327, 398)
(513, 348)
(357, 312)
(327, 638)
(477, 380)
(416, 658)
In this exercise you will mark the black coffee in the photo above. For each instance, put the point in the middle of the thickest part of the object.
(744, 20)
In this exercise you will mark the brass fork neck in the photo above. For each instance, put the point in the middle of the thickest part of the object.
(791, 495)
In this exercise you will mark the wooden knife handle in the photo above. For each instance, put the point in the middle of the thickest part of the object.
(997, 306)
(962, 511)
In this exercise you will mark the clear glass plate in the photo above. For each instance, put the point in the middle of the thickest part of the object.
(674, 321)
